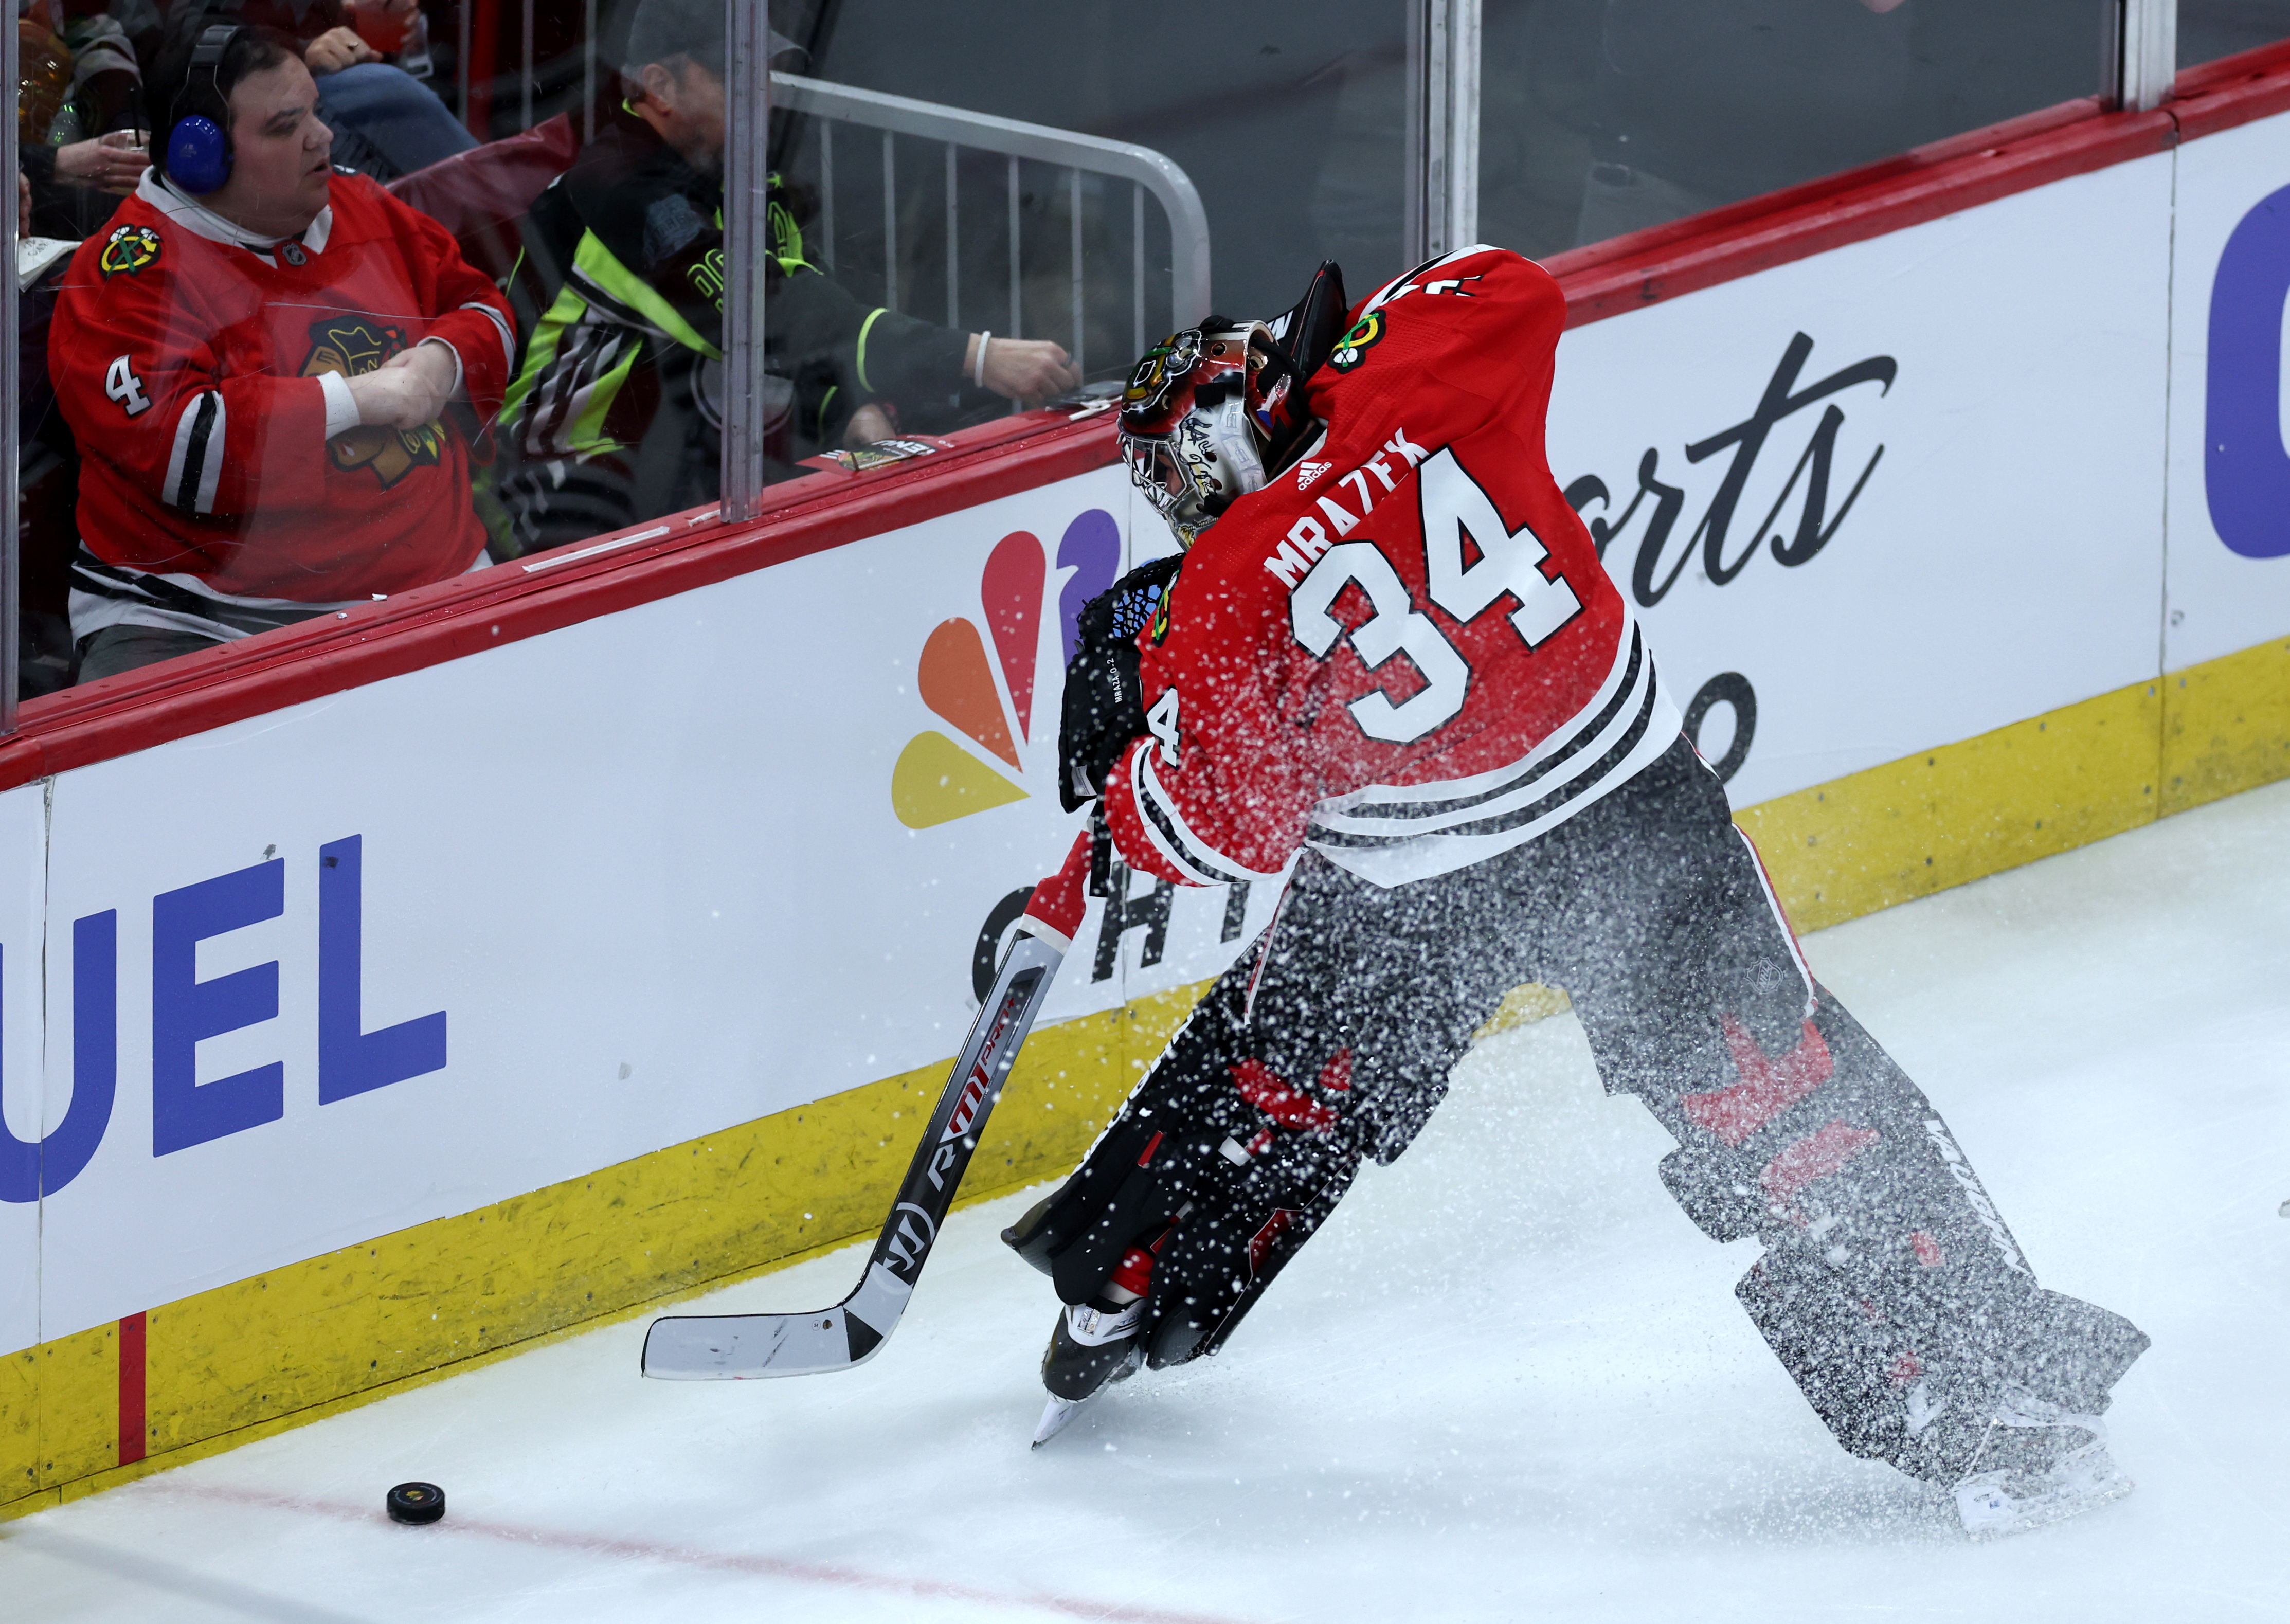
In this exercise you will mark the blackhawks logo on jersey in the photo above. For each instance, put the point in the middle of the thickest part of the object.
(355, 344)
(133, 249)
(1352, 349)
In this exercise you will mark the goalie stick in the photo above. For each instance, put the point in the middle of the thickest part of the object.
(738, 1347)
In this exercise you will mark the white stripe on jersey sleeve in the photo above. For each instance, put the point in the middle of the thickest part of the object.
(507, 339)
(1173, 838)
(171, 489)
(1140, 788)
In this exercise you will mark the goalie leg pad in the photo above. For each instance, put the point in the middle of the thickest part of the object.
(1892, 1289)
(1223, 1257)
(1916, 1388)
(1881, 1393)
(1131, 1182)
(1245, 1163)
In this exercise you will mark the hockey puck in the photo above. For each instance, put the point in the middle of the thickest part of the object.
(415, 1503)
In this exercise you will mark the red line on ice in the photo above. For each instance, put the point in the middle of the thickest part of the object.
(684, 1555)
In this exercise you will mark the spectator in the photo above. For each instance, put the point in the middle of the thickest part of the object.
(79, 115)
(105, 81)
(614, 417)
(259, 377)
(386, 122)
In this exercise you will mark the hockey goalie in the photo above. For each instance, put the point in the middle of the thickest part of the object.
(1389, 645)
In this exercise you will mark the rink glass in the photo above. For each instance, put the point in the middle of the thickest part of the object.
(1601, 117)
(2209, 29)
(1301, 129)
(225, 566)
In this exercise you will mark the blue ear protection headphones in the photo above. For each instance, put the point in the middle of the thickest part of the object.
(199, 148)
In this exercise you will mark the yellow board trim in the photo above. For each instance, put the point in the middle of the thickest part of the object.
(2226, 726)
(1943, 816)
(248, 1360)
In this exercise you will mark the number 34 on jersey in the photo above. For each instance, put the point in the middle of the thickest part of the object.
(1459, 519)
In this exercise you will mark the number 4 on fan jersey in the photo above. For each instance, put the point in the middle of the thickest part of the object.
(121, 384)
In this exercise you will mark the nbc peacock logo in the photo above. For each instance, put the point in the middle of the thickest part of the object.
(989, 700)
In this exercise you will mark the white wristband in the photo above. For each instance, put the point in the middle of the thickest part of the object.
(978, 372)
(341, 406)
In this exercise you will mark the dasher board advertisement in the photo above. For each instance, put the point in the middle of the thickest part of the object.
(454, 936)
(2229, 511)
(1905, 491)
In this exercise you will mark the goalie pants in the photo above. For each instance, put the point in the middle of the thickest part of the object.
(1890, 1287)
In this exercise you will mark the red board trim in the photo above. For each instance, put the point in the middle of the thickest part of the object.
(131, 1389)
(2232, 90)
(474, 612)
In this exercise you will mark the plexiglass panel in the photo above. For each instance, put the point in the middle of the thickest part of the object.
(1601, 117)
(2209, 29)
(1289, 122)
(328, 346)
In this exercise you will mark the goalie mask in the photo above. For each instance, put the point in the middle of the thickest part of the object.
(1214, 412)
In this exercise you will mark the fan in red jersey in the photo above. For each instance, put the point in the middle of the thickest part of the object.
(276, 374)
(1392, 656)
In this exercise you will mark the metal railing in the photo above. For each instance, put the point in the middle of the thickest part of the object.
(747, 245)
(11, 425)
(498, 69)
(485, 81)
(1146, 172)
(2146, 52)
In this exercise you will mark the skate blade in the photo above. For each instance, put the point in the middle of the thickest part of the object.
(1054, 1417)
(2001, 1520)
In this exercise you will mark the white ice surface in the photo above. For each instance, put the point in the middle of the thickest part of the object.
(1507, 1382)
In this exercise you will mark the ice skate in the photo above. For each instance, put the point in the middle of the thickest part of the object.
(2038, 1464)
(1097, 1343)
(1091, 1347)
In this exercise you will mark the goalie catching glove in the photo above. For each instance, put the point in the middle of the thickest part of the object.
(1104, 706)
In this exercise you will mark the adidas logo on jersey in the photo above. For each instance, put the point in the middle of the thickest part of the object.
(1307, 472)
(1308, 538)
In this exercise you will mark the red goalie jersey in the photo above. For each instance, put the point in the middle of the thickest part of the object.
(189, 367)
(1404, 652)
